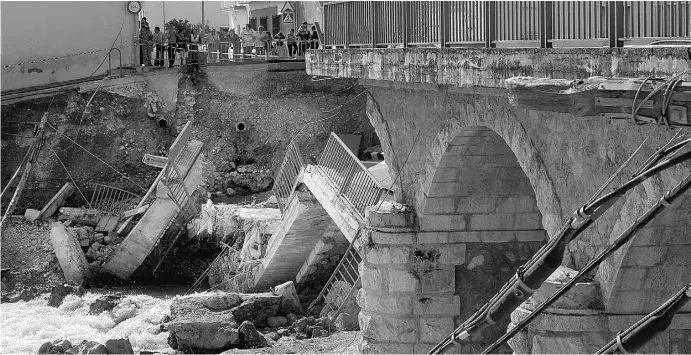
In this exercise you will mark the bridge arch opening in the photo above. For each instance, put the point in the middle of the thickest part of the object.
(481, 198)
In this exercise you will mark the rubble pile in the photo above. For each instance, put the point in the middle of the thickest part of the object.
(97, 247)
(245, 230)
(63, 346)
(243, 180)
(212, 323)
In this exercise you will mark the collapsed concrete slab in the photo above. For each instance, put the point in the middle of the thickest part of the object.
(69, 253)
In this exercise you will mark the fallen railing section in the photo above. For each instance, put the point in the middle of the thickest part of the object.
(112, 200)
(350, 176)
(287, 175)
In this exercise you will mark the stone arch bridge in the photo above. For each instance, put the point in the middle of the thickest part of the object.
(487, 180)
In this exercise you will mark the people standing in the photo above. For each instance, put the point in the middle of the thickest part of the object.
(314, 38)
(247, 36)
(159, 41)
(182, 45)
(280, 45)
(194, 46)
(292, 45)
(172, 36)
(235, 42)
(213, 40)
(146, 40)
(260, 41)
(304, 36)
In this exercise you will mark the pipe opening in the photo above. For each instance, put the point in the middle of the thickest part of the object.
(162, 122)
(240, 126)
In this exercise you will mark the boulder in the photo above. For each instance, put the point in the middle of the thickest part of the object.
(257, 308)
(317, 333)
(58, 346)
(250, 337)
(277, 322)
(119, 346)
(323, 322)
(194, 326)
(88, 347)
(223, 301)
(58, 293)
(273, 336)
(26, 295)
(346, 322)
(104, 303)
(283, 332)
(290, 303)
(45, 348)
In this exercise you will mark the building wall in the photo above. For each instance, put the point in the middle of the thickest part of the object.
(35, 31)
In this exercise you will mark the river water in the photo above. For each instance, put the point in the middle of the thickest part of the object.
(26, 325)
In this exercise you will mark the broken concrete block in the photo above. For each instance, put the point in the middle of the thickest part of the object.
(31, 214)
(57, 201)
(69, 253)
(195, 326)
(223, 301)
(290, 303)
(80, 215)
(346, 322)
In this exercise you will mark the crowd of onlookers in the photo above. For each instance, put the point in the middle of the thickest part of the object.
(221, 45)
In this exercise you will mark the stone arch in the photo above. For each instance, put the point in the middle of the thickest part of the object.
(480, 197)
(657, 262)
(480, 185)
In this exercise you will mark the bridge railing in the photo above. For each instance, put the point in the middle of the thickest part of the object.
(287, 175)
(525, 24)
(351, 177)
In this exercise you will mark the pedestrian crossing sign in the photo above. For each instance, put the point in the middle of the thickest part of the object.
(287, 7)
(288, 17)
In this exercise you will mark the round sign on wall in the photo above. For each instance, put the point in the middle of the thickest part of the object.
(134, 7)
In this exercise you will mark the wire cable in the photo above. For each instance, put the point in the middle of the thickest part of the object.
(623, 238)
(70, 176)
(93, 155)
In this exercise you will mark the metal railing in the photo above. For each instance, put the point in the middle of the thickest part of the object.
(112, 200)
(287, 175)
(526, 24)
(352, 179)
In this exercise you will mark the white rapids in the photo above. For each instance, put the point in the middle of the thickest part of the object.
(26, 325)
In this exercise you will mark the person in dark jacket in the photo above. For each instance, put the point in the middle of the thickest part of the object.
(172, 37)
(314, 38)
(304, 36)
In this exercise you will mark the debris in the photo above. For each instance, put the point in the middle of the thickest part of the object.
(250, 338)
(31, 214)
(195, 326)
(69, 253)
(290, 302)
(57, 346)
(135, 211)
(273, 336)
(89, 217)
(57, 201)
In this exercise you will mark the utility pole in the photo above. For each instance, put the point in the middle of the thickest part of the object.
(164, 14)
(203, 23)
(35, 148)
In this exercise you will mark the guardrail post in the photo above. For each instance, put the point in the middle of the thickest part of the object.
(405, 19)
(443, 12)
(346, 40)
(616, 23)
(349, 177)
(490, 23)
(373, 23)
(545, 24)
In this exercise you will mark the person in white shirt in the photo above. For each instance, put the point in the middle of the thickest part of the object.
(247, 36)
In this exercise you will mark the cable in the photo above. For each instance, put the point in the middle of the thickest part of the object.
(18, 169)
(533, 273)
(623, 238)
(93, 155)
(70, 176)
(356, 96)
(111, 46)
